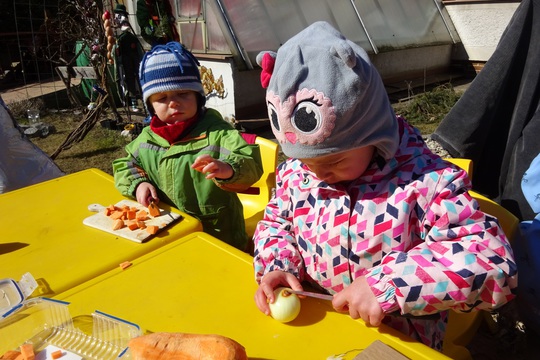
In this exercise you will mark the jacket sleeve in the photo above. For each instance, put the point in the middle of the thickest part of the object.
(463, 262)
(244, 158)
(275, 243)
(128, 174)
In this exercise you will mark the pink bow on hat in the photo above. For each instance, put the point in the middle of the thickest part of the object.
(267, 65)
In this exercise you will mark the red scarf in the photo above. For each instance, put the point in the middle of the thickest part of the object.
(171, 132)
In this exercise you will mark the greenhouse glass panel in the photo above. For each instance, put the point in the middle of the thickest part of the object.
(400, 24)
(266, 24)
(216, 40)
(192, 36)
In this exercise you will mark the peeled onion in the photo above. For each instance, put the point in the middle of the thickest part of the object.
(286, 306)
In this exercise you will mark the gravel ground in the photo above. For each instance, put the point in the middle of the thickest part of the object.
(435, 147)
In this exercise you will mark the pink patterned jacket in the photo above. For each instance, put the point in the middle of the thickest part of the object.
(408, 225)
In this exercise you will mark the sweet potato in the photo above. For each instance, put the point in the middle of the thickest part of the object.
(152, 229)
(132, 225)
(57, 354)
(118, 224)
(125, 265)
(131, 214)
(141, 215)
(27, 352)
(117, 214)
(10, 355)
(153, 209)
(169, 346)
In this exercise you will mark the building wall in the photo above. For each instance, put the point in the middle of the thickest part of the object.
(480, 25)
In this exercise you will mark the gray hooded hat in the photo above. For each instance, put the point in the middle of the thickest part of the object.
(324, 96)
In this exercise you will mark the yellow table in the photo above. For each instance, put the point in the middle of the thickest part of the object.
(43, 232)
(202, 285)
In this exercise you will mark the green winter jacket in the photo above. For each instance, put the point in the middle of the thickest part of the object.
(168, 167)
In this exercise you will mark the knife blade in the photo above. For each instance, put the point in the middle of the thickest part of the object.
(311, 294)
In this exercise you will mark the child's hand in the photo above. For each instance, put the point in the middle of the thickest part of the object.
(145, 193)
(214, 168)
(269, 282)
(360, 302)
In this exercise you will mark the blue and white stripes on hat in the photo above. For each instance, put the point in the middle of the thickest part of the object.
(169, 67)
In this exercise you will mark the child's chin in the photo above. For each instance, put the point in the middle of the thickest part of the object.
(173, 121)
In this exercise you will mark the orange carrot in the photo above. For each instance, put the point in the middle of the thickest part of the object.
(152, 229)
(141, 224)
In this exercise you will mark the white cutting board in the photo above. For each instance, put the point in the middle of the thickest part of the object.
(103, 222)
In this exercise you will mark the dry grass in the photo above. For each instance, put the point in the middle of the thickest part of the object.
(97, 150)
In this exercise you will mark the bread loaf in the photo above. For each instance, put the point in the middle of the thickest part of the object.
(183, 346)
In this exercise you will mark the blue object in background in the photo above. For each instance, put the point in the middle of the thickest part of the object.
(527, 251)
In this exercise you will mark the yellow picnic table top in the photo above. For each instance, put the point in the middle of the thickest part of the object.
(199, 284)
(43, 232)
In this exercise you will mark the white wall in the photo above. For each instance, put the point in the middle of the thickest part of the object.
(480, 26)
(225, 104)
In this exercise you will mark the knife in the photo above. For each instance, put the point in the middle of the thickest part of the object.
(311, 294)
(331, 297)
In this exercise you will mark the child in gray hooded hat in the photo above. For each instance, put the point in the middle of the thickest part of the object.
(188, 156)
(363, 209)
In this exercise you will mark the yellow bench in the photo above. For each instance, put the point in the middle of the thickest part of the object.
(256, 198)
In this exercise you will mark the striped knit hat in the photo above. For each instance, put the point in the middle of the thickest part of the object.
(169, 67)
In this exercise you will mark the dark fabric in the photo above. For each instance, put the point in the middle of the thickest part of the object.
(496, 122)
(129, 54)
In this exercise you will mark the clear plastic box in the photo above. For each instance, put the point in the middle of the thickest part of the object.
(43, 322)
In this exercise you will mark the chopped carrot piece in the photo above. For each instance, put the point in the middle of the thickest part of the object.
(125, 265)
(141, 224)
(152, 229)
(153, 209)
(118, 224)
(57, 354)
(27, 352)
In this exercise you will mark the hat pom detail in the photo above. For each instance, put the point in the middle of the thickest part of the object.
(266, 61)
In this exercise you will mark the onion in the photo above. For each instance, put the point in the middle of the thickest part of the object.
(286, 306)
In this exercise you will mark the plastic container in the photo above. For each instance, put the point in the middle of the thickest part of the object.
(13, 293)
(47, 324)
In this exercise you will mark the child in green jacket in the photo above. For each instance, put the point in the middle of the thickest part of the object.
(189, 156)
